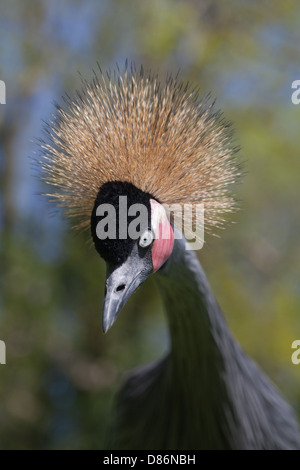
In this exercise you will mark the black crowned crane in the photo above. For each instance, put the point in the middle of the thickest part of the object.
(159, 144)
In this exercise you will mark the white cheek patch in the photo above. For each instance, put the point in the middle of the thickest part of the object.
(163, 233)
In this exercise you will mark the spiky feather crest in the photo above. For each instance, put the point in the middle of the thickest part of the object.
(161, 137)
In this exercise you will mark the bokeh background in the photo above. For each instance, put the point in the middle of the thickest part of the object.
(62, 373)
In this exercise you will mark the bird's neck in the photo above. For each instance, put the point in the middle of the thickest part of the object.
(193, 313)
(198, 332)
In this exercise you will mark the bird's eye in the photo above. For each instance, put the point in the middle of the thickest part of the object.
(146, 238)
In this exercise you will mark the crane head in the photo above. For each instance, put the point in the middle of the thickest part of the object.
(132, 233)
(155, 143)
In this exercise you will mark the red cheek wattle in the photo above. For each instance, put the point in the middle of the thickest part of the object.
(163, 244)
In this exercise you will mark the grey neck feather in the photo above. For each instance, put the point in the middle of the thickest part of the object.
(197, 331)
(206, 394)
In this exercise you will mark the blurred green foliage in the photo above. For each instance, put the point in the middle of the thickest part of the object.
(57, 387)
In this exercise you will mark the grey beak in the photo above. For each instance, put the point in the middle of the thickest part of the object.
(121, 282)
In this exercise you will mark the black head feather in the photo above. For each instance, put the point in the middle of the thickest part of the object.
(116, 250)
